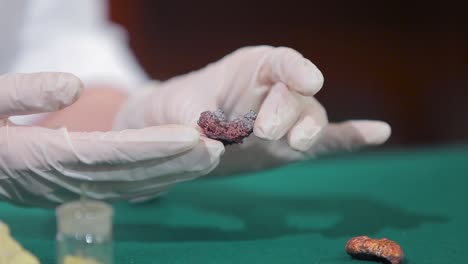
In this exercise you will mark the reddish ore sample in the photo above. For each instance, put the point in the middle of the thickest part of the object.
(383, 250)
(215, 126)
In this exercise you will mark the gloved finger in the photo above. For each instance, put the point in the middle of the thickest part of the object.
(44, 169)
(23, 94)
(352, 135)
(278, 112)
(148, 188)
(208, 158)
(151, 108)
(309, 126)
(290, 67)
(202, 157)
(36, 147)
(177, 167)
(126, 146)
(140, 179)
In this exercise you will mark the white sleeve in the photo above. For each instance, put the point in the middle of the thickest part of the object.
(76, 36)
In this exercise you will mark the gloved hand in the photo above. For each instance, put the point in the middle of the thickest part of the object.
(42, 167)
(277, 83)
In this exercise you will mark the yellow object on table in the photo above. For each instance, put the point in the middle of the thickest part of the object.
(4, 229)
(79, 260)
(11, 252)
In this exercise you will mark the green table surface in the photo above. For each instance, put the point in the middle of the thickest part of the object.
(301, 213)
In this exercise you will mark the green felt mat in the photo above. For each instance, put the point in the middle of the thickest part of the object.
(302, 213)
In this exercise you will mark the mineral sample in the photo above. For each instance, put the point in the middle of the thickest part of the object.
(216, 126)
(382, 250)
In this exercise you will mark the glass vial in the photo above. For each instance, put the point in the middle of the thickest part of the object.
(84, 232)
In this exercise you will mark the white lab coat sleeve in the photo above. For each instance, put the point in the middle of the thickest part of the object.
(76, 36)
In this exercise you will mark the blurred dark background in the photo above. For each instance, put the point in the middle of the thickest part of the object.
(405, 62)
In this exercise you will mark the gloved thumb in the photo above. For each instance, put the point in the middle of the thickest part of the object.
(24, 94)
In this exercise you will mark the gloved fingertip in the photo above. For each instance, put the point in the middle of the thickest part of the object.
(215, 148)
(372, 132)
(71, 81)
(68, 88)
(303, 135)
(277, 114)
(260, 133)
(269, 129)
(308, 78)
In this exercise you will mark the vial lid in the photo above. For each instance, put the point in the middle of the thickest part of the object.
(85, 218)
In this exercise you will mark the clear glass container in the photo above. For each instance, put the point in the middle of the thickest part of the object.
(84, 232)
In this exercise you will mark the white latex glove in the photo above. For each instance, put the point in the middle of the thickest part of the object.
(277, 83)
(42, 167)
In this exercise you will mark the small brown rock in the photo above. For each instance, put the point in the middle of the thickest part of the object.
(383, 250)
